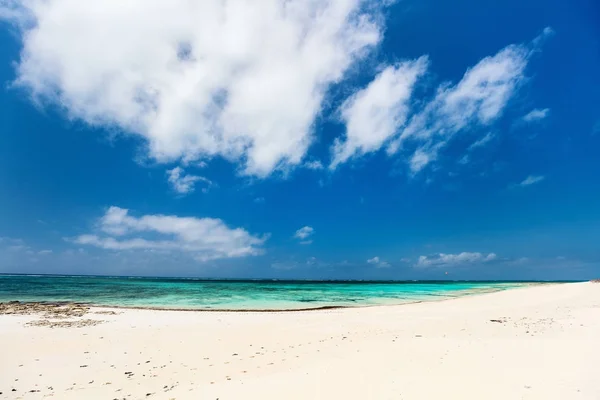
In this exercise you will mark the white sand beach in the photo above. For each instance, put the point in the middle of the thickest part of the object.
(540, 342)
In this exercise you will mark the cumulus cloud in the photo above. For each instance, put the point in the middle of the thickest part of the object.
(536, 115)
(374, 114)
(379, 263)
(304, 233)
(443, 260)
(184, 184)
(203, 238)
(531, 179)
(196, 79)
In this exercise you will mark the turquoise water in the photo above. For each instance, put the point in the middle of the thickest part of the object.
(230, 295)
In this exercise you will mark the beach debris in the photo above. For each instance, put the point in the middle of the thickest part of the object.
(50, 310)
(106, 312)
(500, 321)
(64, 324)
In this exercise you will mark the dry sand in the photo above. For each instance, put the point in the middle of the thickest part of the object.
(544, 343)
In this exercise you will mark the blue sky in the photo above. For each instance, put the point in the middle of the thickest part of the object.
(317, 140)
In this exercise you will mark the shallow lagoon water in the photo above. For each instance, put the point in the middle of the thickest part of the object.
(200, 294)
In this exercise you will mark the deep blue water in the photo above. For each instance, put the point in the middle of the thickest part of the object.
(230, 295)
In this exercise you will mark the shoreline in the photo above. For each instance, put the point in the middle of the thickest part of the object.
(457, 295)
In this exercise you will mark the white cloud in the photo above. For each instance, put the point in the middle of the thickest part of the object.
(536, 115)
(184, 184)
(531, 179)
(196, 79)
(378, 263)
(259, 200)
(420, 158)
(304, 233)
(442, 259)
(477, 100)
(204, 238)
(482, 142)
(314, 164)
(375, 113)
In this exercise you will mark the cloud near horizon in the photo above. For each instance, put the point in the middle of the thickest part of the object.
(378, 263)
(449, 260)
(203, 238)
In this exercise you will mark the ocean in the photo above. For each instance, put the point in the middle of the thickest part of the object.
(202, 294)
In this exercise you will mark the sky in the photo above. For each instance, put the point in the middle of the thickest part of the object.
(321, 139)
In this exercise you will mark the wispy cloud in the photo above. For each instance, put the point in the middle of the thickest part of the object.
(183, 183)
(285, 265)
(304, 234)
(536, 115)
(531, 179)
(259, 200)
(482, 142)
(446, 260)
(476, 101)
(203, 238)
(314, 165)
